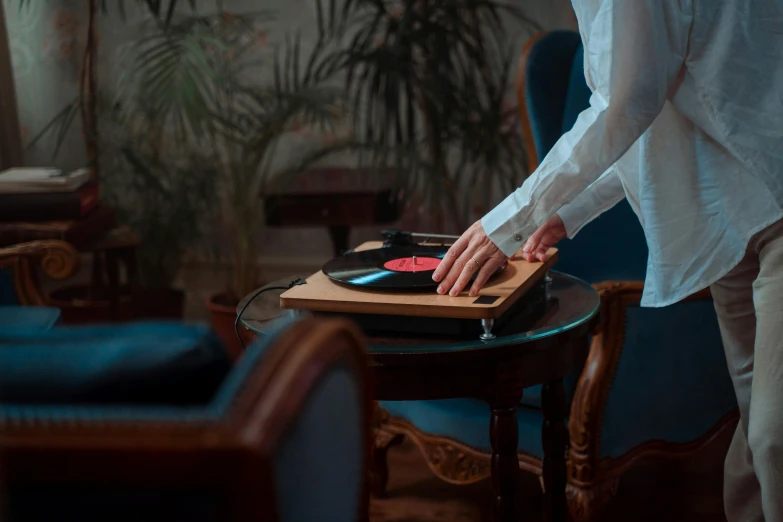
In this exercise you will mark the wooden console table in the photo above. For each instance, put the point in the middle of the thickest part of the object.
(336, 198)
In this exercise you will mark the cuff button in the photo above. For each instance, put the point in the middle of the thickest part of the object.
(517, 237)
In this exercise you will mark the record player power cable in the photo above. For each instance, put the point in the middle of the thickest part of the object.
(296, 282)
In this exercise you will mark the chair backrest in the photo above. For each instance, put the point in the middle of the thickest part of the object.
(552, 92)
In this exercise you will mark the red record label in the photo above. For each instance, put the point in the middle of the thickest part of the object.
(412, 264)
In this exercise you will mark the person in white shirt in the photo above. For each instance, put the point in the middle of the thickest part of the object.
(686, 122)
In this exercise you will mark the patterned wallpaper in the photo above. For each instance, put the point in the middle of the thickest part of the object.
(47, 39)
(43, 54)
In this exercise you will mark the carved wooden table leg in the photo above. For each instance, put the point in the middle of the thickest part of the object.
(503, 435)
(554, 437)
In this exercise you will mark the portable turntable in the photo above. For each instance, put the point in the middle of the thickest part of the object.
(387, 287)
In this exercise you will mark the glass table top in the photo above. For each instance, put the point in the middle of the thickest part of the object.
(569, 303)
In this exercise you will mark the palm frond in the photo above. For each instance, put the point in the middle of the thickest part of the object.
(174, 75)
(432, 76)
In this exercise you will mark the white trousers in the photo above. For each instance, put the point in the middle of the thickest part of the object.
(749, 305)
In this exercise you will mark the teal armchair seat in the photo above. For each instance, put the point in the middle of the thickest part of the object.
(153, 422)
(655, 381)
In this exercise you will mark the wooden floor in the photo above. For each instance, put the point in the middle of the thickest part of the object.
(685, 491)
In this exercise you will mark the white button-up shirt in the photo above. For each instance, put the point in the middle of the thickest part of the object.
(685, 120)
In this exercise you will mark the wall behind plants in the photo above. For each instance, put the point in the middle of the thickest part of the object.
(47, 40)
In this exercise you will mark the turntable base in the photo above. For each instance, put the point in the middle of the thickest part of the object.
(503, 290)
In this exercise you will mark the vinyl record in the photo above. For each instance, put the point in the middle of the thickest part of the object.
(392, 268)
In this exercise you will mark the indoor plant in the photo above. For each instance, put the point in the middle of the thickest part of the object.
(156, 186)
(241, 116)
(162, 193)
(165, 202)
(199, 76)
(429, 83)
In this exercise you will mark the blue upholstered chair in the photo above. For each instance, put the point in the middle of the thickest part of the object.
(152, 422)
(656, 380)
(22, 302)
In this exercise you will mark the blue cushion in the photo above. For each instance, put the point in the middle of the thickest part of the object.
(658, 392)
(154, 410)
(143, 363)
(7, 290)
(467, 420)
(27, 318)
(672, 382)
(532, 396)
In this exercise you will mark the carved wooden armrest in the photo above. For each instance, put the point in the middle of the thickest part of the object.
(58, 260)
(592, 390)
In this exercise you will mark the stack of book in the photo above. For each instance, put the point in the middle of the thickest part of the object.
(41, 194)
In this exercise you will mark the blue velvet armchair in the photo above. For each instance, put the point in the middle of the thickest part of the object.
(656, 380)
(151, 421)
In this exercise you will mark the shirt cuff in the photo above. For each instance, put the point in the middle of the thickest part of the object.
(599, 197)
(506, 228)
(574, 217)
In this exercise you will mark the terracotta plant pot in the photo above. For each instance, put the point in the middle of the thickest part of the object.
(223, 314)
(82, 304)
(166, 304)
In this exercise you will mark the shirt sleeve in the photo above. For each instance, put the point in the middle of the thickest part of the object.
(599, 197)
(634, 57)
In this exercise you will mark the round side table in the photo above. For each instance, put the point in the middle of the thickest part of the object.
(536, 348)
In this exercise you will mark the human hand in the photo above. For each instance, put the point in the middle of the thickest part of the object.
(547, 236)
(472, 252)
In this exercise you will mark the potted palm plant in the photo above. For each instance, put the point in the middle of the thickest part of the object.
(206, 74)
(193, 92)
(161, 188)
(159, 191)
